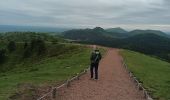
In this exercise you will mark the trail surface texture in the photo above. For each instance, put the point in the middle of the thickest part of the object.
(114, 83)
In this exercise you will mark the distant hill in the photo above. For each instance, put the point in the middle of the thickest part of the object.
(148, 44)
(96, 34)
(154, 44)
(136, 32)
(13, 28)
(116, 30)
(119, 32)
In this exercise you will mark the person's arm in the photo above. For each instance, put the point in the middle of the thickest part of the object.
(91, 57)
(100, 56)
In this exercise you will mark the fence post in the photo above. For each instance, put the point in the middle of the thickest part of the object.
(85, 71)
(54, 93)
(140, 86)
(68, 83)
(78, 76)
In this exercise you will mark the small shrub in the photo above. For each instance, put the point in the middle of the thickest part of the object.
(11, 46)
(2, 56)
(25, 45)
(27, 52)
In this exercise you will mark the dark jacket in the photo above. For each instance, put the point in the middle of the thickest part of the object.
(95, 56)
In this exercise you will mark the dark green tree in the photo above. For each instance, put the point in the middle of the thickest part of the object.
(54, 41)
(38, 45)
(2, 55)
(11, 46)
(27, 52)
(41, 47)
(25, 45)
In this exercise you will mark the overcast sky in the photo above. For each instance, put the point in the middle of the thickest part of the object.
(129, 14)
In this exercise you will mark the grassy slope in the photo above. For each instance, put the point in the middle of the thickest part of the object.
(154, 73)
(46, 71)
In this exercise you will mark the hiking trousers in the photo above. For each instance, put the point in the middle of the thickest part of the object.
(94, 69)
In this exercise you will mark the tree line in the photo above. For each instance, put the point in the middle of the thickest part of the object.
(36, 46)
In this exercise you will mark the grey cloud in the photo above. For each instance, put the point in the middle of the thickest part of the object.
(86, 13)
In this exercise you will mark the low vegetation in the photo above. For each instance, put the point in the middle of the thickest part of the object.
(28, 36)
(38, 62)
(151, 72)
(60, 63)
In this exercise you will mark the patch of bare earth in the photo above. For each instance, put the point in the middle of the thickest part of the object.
(114, 83)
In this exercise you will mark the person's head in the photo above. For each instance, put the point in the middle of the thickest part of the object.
(97, 50)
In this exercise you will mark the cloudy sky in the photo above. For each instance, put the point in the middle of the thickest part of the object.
(129, 14)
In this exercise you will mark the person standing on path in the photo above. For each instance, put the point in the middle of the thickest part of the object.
(95, 59)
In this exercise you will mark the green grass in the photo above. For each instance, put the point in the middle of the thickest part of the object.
(152, 72)
(53, 68)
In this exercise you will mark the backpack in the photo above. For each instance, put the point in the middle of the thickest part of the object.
(96, 57)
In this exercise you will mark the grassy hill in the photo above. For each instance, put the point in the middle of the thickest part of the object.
(27, 68)
(152, 72)
(28, 36)
(62, 62)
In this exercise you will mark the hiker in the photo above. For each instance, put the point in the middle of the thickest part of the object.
(95, 59)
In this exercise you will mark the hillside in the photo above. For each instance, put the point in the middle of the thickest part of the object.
(149, 43)
(28, 36)
(151, 72)
(137, 32)
(116, 30)
(27, 66)
(100, 34)
(97, 33)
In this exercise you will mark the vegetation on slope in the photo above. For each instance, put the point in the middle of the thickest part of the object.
(61, 62)
(153, 73)
(117, 30)
(157, 32)
(28, 36)
(152, 42)
(38, 62)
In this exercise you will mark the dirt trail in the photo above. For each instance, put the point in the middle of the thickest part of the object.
(114, 83)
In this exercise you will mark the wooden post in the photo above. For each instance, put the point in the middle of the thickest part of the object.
(134, 79)
(140, 86)
(78, 77)
(68, 83)
(85, 70)
(54, 93)
(145, 94)
(130, 74)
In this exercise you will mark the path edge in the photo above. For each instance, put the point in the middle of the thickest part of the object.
(138, 84)
(53, 91)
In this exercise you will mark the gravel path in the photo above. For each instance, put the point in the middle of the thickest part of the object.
(114, 83)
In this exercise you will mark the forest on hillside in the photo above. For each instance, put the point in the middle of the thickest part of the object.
(150, 42)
